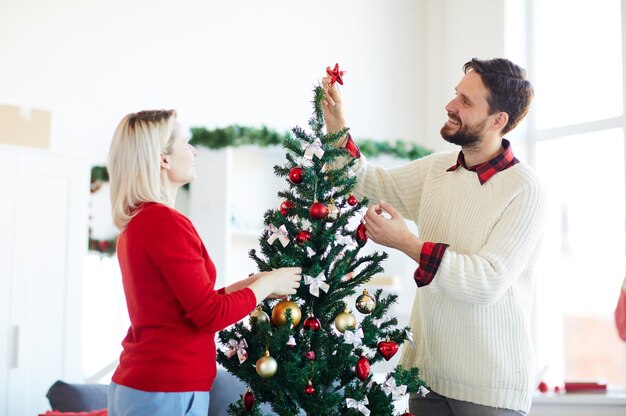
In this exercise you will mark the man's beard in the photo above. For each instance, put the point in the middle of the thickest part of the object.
(466, 136)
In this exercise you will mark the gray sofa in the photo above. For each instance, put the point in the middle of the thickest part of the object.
(67, 397)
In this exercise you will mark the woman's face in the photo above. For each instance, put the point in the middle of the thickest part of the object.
(179, 162)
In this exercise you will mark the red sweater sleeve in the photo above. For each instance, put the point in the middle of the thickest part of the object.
(176, 249)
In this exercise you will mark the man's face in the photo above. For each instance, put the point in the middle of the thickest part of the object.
(468, 112)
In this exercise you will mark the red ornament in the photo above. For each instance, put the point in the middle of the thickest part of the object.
(387, 349)
(309, 389)
(361, 237)
(407, 413)
(285, 206)
(312, 323)
(352, 201)
(362, 368)
(318, 211)
(303, 236)
(296, 175)
(335, 74)
(557, 389)
(310, 355)
(248, 400)
(543, 387)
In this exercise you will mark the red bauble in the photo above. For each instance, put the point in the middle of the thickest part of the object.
(303, 236)
(296, 175)
(310, 355)
(543, 387)
(387, 349)
(248, 400)
(309, 389)
(312, 323)
(285, 206)
(318, 211)
(361, 237)
(362, 368)
(352, 200)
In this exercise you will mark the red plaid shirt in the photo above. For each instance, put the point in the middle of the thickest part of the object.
(432, 253)
(489, 168)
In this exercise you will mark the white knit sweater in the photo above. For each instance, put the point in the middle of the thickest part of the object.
(472, 322)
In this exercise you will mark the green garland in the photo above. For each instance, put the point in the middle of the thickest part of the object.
(235, 135)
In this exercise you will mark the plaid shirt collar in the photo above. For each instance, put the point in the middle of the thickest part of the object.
(486, 170)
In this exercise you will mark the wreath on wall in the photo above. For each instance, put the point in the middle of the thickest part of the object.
(99, 176)
(235, 136)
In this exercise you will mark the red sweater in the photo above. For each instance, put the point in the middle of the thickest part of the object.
(174, 308)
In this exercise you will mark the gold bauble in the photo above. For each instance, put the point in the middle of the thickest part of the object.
(365, 303)
(344, 320)
(260, 315)
(279, 313)
(266, 366)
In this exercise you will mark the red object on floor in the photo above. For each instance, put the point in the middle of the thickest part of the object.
(585, 387)
(101, 412)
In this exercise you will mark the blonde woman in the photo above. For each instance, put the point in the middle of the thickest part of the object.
(167, 365)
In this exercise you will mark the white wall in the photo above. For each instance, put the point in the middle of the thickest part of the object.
(241, 61)
(217, 62)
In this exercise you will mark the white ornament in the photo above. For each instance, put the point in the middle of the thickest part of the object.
(278, 233)
(353, 337)
(314, 149)
(359, 405)
(235, 347)
(316, 283)
(390, 387)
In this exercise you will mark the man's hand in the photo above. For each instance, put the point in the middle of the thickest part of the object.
(333, 107)
(391, 231)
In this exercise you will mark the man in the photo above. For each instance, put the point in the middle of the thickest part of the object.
(480, 215)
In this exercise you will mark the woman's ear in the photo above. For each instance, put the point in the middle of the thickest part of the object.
(165, 161)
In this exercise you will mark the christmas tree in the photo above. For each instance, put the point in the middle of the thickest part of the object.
(313, 356)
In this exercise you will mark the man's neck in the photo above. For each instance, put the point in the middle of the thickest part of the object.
(486, 150)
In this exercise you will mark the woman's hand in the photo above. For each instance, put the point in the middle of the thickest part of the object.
(277, 283)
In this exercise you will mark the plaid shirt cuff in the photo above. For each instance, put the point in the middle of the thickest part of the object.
(430, 258)
(352, 148)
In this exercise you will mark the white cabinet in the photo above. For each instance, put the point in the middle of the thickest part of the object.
(234, 187)
(43, 240)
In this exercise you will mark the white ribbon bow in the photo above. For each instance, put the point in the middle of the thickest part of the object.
(314, 148)
(345, 240)
(316, 283)
(355, 338)
(360, 406)
(396, 391)
(239, 348)
(409, 335)
(278, 233)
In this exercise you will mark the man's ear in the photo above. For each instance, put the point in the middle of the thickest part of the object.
(165, 161)
(501, 120)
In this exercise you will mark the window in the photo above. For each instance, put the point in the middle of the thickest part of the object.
(577, 129)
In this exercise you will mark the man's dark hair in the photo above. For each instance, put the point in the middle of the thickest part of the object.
(509, 90)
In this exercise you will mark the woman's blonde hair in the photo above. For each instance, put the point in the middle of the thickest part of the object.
(135, 162)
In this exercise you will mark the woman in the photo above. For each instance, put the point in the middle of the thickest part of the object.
(167, 365)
